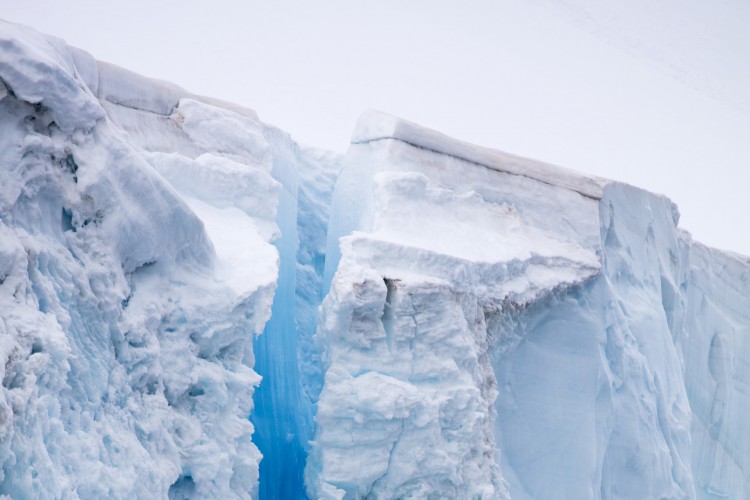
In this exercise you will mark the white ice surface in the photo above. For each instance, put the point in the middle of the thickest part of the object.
(431, 246)
(130, 285)
(376, 126)
(525, 336)
(492, 326)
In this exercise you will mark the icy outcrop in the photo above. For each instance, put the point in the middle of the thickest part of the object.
(611, 398)
(715, 345)
(496, 327)
(448, 321)
(129, 295)
(432, 248)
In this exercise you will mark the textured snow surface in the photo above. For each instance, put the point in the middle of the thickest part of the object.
(439, 320)
(533, 333)
(432, 248)
(132, 278)
(376, 126)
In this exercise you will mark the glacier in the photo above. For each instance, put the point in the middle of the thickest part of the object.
(194, 305)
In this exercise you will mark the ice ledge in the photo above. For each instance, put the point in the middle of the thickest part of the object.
(376, 126)
(126, 88)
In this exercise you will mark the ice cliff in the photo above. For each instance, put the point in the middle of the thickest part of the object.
(192, 305)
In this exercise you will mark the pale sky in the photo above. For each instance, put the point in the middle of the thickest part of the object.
(655, 93)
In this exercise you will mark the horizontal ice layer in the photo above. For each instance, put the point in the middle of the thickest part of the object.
(135, 267)
(537, 203)
(376, 126)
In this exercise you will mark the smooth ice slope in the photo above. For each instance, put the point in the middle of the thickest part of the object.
(496, 327)
(716, 348)
(592, 398)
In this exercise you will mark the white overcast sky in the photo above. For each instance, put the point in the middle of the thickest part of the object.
(651, 92)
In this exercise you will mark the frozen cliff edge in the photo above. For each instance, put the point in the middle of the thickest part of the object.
(499, 327)
(147, 234)
(136, 265)
(449, 321)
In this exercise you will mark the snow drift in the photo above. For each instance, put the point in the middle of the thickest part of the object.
(438, 319)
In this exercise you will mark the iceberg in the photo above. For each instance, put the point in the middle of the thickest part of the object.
(193, 305)
(128, 295)
(496, 327)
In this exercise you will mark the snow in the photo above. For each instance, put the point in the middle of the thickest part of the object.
(560, 325)
(715, 351)
(41, 70)
(438, 319)
(126, 329)
(376, 126)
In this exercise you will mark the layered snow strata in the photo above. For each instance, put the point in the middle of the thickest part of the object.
(431, 248)
(135, 266)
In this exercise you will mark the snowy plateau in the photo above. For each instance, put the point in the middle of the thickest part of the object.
(192, 305)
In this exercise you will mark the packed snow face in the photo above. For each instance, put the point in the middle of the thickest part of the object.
(135, 266)
(496, 327)
(432, 247)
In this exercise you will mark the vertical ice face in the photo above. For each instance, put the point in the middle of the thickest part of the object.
(432, 249)
(490, 326)
(285, 354)
(592, 402)
(494, 326)
(716, 347)
(135, 266)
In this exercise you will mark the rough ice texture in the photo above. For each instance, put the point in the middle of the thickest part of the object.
(432, 247)
(135, 266)
(496, 327)
(376, 126)
(491, 326)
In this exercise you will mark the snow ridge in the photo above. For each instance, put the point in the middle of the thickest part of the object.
(377, 126)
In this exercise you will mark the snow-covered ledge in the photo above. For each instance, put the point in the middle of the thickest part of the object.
(376, 126)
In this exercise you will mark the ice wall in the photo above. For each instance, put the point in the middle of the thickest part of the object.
(592, 402)
(135, 266)
(431, 248)
(495, 326)
(286, 356)
(450, 321)
(715, 345)
(211, 219)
